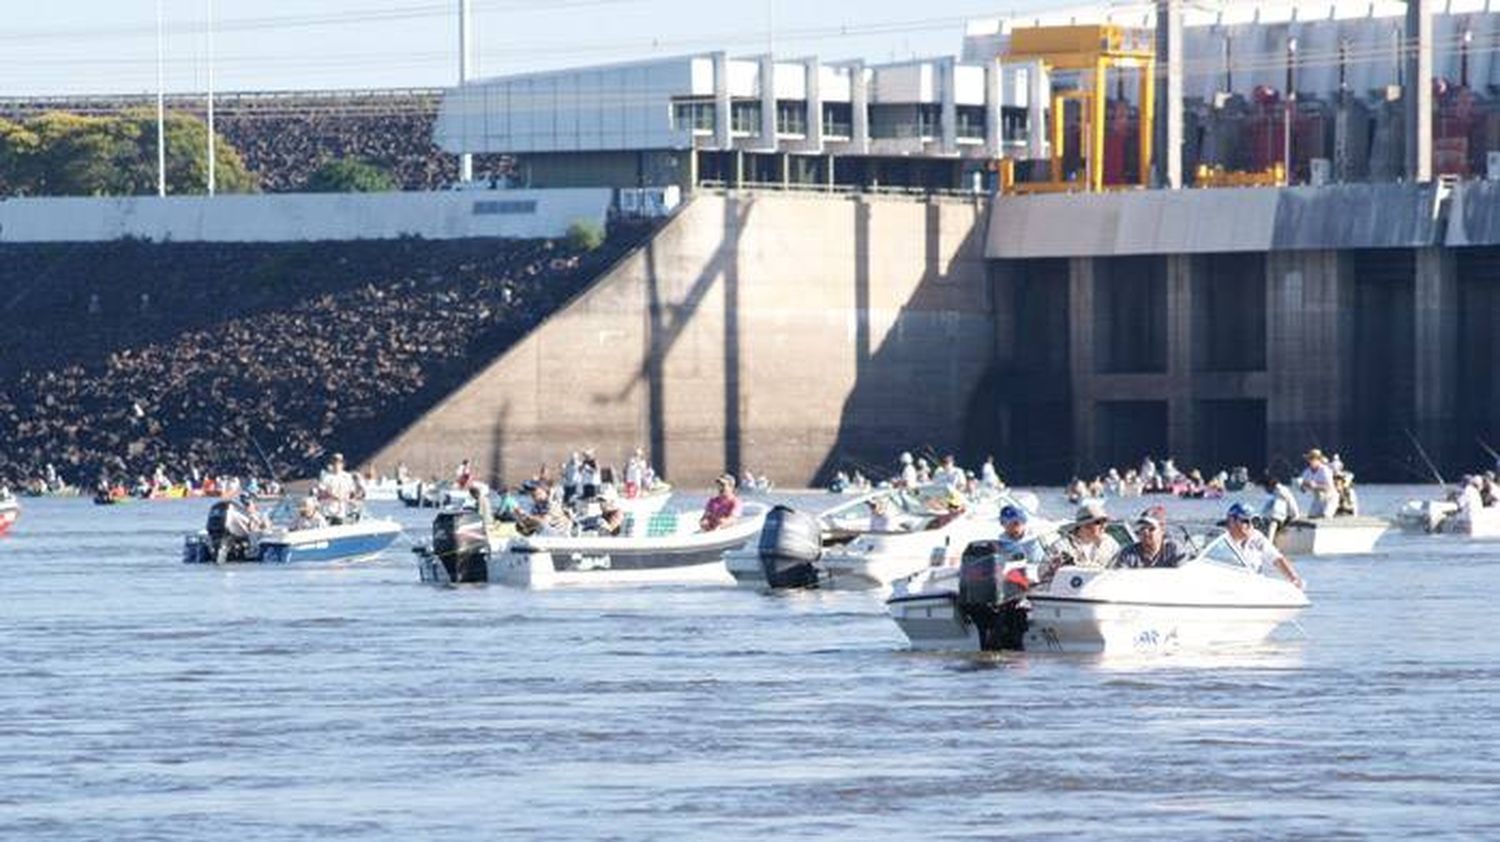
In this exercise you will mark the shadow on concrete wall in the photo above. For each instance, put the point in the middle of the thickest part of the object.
(920, 364)
(666, 323)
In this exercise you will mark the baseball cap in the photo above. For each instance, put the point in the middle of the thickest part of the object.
(1239, 511)
(1156, 516)
(1013, 514)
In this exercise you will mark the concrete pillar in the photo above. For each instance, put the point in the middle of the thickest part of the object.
(946, 68)
(1417, 93)
(859, 107)
(1309, 336)
(1182, 271)
(723, 116)
(786, 169)
(1038, 100)
(994, 110)
(1436, 365)
(813, 70)
(1081, 282)
(767, 103)
(1169, 116)
(828, 173)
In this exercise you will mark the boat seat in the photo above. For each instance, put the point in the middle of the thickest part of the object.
(661, 524)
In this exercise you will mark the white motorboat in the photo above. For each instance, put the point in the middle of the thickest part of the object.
(356, 540)
(661, 547)
(842, 549)
(1445, 516)
(1215, 599)
(1331, 536)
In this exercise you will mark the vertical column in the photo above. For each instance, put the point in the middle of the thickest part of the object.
(1081, 283)
(994, 110)
(950, 106)
(814, 87)
(768, 103)
(1182, 269)
(1038, 96)
(723, 109)
(1308, 335)
(1436, 365)
(1168, 128)
(859, 110)
(1416, 93)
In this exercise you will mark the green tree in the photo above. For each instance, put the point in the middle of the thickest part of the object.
(61, 154)
(350, 175)
(585, 235)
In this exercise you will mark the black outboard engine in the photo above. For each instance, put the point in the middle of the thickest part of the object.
(462, 545)
(990, 599)
(791, 543)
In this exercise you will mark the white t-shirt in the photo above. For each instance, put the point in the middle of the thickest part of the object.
(1258, 552)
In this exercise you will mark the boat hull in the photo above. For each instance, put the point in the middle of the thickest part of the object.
(542, 569)
(9, 514)
(356, 542)
(1331, 536)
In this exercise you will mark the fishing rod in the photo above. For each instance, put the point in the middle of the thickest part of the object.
(1423, 453)
(1490, 450)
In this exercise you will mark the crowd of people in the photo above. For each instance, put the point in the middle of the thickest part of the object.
(119, 357)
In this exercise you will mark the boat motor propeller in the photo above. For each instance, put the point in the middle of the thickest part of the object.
(461, 543)
(791, 544)
(991, 595)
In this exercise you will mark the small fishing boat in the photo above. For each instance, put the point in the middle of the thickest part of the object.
(10, 512)
(990, 603)
(847, 547)
(664, 547)
(355, 540)
(1331, 536)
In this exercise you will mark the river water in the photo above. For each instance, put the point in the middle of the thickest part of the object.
(142, 699)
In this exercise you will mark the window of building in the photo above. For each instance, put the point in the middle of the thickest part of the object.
(838, 119)
(971, 122)
(929, 120)
(791, 117)
(745, 117)
(696, 115)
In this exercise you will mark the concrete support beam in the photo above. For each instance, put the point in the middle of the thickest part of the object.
(1309, 335)
(723, 118)
(1417, 93)
(811, 67)
(1182, 271)
(859, 107)
(1038, 100)
(946, 69)
(1169, 115)
(1081, 283)
(994, 110)
(1436, 365)
(767, 103)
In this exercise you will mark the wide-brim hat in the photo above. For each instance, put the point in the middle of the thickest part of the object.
(1090, 512)
(1314, 454)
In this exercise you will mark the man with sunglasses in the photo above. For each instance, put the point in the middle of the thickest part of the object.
(1152, 547)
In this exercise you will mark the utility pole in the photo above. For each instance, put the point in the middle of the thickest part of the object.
(211, 161)
(161, 107)
(465, 159)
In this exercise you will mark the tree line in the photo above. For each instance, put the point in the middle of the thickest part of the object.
(64, 154)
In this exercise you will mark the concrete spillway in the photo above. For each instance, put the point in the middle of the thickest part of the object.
(793, 335)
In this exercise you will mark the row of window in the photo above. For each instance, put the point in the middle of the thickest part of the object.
(886, 121)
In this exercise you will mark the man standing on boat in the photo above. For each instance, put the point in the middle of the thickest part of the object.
(336, 490)
(1255, 548)
(1317, 480)
(1152, 547)
(723, 508)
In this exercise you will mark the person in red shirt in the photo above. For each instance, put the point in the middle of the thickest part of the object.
(723, 508)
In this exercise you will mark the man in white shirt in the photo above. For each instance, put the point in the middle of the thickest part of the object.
(1255, 548)
(336, 489)
(1317, 480)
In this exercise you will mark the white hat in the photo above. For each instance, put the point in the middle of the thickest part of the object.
(906, 458)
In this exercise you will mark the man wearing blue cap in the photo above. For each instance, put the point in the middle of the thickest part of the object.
(1016, 539)
(1152, 547)
(1255, 548)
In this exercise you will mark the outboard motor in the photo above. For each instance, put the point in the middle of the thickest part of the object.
(992, 597)
(791, 543)
(462, 545)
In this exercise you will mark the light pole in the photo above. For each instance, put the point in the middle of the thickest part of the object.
(465, 160)
(161, 107)
(211, 161)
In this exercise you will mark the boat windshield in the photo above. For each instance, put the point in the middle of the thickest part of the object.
(1221, 551)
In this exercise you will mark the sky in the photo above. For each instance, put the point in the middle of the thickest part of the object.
(109, 46)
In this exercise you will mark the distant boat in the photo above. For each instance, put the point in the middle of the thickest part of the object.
(10, 512)
(354, 541)
(1331, 536)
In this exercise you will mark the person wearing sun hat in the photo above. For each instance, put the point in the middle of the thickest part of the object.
(1152, 547)
(1317, 480)
(1088, 544)
(1255, 548)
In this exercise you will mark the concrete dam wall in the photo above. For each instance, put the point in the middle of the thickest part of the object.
(786, 335)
